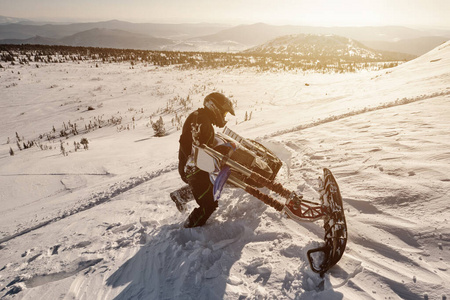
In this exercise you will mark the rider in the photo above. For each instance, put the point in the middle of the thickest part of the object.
(198, 130)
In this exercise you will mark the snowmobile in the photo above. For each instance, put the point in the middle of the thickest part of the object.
(244, 163)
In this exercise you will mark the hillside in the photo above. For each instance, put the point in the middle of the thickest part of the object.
(98, 223)
(322, 46)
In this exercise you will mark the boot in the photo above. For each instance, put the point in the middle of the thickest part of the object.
(198, 217)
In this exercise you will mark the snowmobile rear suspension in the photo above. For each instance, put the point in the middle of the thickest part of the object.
(249, 170)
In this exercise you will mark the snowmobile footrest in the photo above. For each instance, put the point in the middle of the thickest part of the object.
(324, 266)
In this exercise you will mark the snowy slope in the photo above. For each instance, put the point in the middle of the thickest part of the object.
(316, 46)
(99, 224)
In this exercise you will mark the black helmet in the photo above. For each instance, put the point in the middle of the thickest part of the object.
(219, 105)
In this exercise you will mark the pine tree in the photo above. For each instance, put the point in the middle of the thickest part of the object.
(11, 152)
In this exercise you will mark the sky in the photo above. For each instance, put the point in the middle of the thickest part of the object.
(425, 13)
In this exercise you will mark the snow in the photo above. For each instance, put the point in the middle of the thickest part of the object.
(99, 223)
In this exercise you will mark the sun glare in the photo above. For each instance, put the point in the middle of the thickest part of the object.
(335, 13)
(320, 13)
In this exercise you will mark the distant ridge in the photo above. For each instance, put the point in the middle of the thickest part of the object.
(251, 35)
(8, 20)
(258, 33)
(36, 40)
(14, 31)
(209, 37)
(417, 46)
(101, 37)
(114, 38)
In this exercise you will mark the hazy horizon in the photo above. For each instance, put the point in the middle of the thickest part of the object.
(415, 13)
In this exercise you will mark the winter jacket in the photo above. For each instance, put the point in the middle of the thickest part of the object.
(197, 129)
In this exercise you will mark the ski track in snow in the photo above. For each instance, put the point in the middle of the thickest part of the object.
(357, 112)
(390, 159)
(97, 199)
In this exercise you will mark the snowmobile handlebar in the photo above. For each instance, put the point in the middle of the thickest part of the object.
(223, 159)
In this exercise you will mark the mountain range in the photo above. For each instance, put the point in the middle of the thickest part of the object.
(99, 37)
(205, 36)
(416, 46)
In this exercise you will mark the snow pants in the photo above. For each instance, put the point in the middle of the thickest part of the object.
(202, 188)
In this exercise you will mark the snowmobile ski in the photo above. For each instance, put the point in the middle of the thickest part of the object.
(334, 224)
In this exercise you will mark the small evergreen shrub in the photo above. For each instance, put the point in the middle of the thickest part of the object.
(158, 127)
